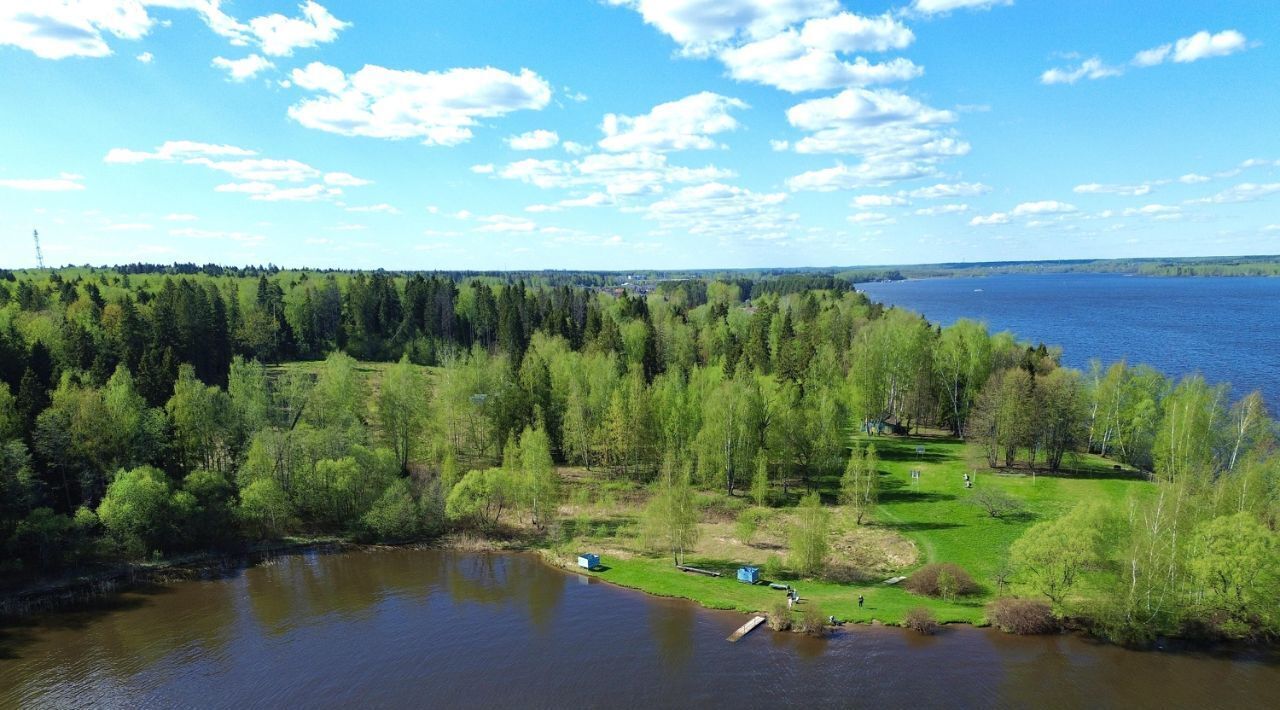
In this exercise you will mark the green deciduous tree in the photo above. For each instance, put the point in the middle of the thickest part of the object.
(1236, 565)
(860, 485)
(401, 407)
(672, 514)
(138, 511)
(265, 508)
(808, 537)
(1051, 556)
(541, 482)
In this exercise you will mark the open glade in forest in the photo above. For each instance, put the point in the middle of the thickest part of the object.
(784, 422)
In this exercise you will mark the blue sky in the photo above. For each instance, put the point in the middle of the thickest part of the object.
(636, 133)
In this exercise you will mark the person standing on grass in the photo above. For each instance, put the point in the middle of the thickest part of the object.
(860, 600)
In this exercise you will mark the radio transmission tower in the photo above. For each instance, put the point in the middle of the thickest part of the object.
(35, 235)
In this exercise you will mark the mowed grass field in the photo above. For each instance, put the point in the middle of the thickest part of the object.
(933, 512)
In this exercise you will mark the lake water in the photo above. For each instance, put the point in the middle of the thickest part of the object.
(426, 628)
(1227, 329)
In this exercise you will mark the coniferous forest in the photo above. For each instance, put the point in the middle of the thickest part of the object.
(149, 412)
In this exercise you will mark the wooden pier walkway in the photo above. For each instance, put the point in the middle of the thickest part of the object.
(745, 629)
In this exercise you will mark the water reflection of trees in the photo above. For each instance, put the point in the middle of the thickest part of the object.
(107, 644)
(300, 589)
(673, 627)
(507, 581)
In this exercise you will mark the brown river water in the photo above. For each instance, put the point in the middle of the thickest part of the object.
(437, 629)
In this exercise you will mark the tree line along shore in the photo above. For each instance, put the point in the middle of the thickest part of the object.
(784, 422)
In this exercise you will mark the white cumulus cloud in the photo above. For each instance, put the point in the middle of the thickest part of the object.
(241, 69)
(1244, 192)
(896, 136)
(65, 182)
(863, 202)
(1092, 68)
(439, 108)
(1201, 45)
(725, 212)
(956, 189)
(937, 210)
(57, 29)
(1094, 188)
(534, 140)
(684, 124)
(937, 7)
(701, 26)
(279, 35)
(1043, 207)
(809, 57)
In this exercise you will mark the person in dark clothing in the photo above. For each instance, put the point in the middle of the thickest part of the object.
(860, 600)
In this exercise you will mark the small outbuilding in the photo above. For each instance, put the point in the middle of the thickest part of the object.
(588, 560)
(750, 575)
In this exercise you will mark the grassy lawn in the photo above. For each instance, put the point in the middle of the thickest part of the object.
(932, 512)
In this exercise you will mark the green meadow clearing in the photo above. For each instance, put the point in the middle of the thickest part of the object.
(933, 513)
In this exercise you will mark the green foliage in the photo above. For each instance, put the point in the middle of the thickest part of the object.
(760, 483)
(139, 511)
(41, 538)
(402, 409)
(860, 485)
(396, 515)
(672, 515)
(1052, 556)
(208, 516)
(809, 544)
(264, 508)
(1236, 565)
(201, 418)
(483, 496)
(541, 482)
(748, 522)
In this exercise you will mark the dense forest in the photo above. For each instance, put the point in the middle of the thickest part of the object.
(148, 412)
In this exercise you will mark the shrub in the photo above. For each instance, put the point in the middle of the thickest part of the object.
(773, 567)
(921, 619)
(812, 621)
(945, 580)
(749, 521)
(780, 615)
(1021, 616)
(996, 502)
(394, 516)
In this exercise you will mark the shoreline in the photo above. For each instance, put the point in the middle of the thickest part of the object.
(73, 593)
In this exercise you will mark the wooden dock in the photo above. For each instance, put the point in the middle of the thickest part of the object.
(745, 629)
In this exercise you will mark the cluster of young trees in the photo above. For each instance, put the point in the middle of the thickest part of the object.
(1201, 555)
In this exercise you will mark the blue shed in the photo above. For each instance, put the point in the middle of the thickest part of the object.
(750, 575)
(588, 560)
